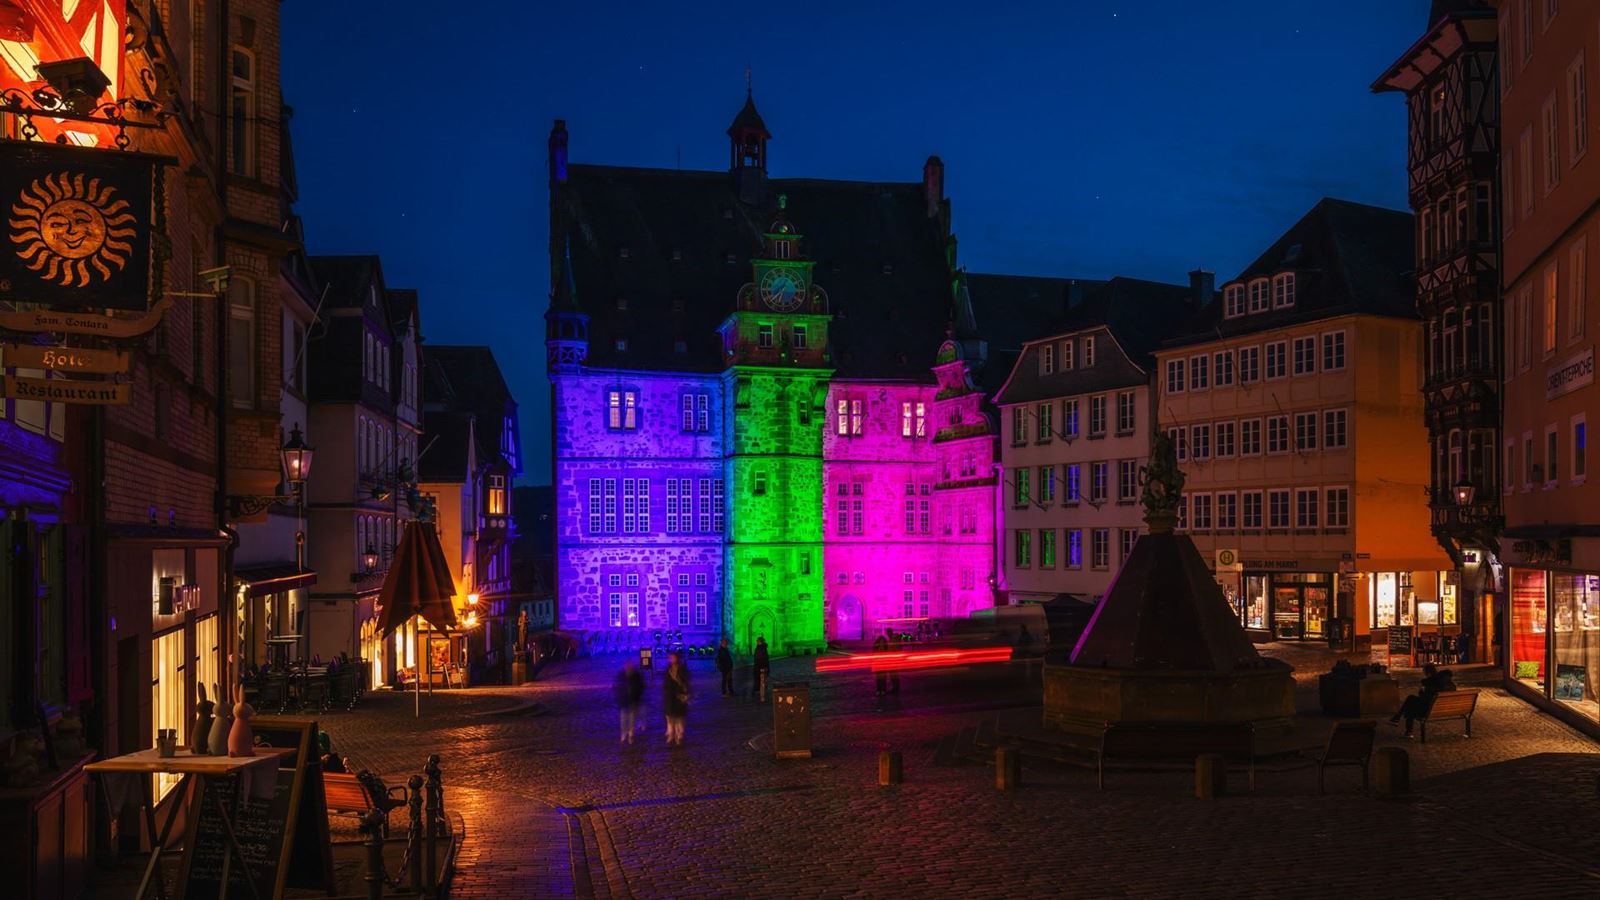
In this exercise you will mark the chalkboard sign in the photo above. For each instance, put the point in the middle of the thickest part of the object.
(1400, 643)
(277, 836)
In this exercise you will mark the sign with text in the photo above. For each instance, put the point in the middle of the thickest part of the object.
(1228, 560)
(1401, 643)
(64, 359)
(63, 390)
(79, 226)
(1566, 376)
(38, 320)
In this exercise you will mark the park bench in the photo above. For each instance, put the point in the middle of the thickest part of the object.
(1349, 744)
(355, 795)
(1451, 705)
(1172, 741)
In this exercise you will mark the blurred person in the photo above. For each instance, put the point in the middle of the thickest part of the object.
(675, 698)
(725, 666)
(629, 690)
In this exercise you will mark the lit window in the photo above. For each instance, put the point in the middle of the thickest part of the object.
(497, 495)
(622, 409)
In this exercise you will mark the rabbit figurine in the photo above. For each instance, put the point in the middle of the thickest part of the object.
(220, 726)
(241, 740)
(201, 735)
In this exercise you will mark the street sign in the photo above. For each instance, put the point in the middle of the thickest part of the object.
(62, 390)
(37, 320)
(1228, 560)
(64, 359)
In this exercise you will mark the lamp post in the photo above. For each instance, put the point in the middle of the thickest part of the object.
(296, 457)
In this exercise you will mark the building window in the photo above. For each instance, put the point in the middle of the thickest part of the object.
(1200, 512)
(1338, 512)
(1130, 536)
(1532, 472)
(1074, 548)
(1283, 291)
(1278, 509)
(1024, 549)
(1097, 415)
(1552, 143)
(614, 608)
(1335, 430)
(849, 417)
(1180, 441)
(799, 337)
(622, 409)
(1047, 548)
(697, 412)
(1277, 434)
(1258, 295)
(1305, 431)
(1577, 109)
(1233, 301)
(1019, 425)
(1552, 305)
(1222, 362)
(1125, 413)
(1227, 512)
(1525, 170)
(1249, 365)
(1066, 355)
(1333, 351)
(1200, 442)
(1069, 418)
(1277, 359)
(1047, 359)
(1088, 351)
(1251, 503)
(1224, 432)
(497, 505)
(1305, 509)
(1019, 488)
(764, 335)
(635, 505)
(1047, 484)
(1127, 480)
(1249, 437)
(1579, 466)
(758, 482)
(1100, 548)
(242, 122)
(1074, 486)
(603, 506)
(1045, 426)
(1199, 373)
(1577, 287)
(680, 505)
(1550, 457)
(1175, 373)
(242, 342)
(1305, 355)
(1098, 476)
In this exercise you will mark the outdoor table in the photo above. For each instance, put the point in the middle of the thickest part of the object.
(280, 647)
(120, 776)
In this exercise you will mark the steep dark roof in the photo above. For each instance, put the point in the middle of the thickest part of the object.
(445, 437)
(1347, 258)
(460, 382)
(334, 355)
(748, 118)
(346, 277)
(1138, 315)
(1011, 310)
(1442, 8)
(878, 254)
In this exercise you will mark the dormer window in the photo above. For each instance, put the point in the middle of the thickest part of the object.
(1047, 359)
(1258, 295)
(1066, 355)
(1283, 291)
(1088, 351)
(622, 252)
(622, 304)
(1233, 301)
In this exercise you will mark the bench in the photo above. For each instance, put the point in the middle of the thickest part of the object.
(1349, 744)
(1451, 705)
(356, 795)
(1169, 741)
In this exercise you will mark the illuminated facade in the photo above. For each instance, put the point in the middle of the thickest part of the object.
(742, 450)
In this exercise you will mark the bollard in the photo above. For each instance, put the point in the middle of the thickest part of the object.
(1392, 772)
(890, 768)
(414, 835)
(1210, 776)
(430, 884)
(372, 827)
(435, 794)
(1007, 768)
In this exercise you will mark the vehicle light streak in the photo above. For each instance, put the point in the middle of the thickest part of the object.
(915, 659)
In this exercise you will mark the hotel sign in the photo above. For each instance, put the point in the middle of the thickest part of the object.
(1570, 374)
(64, 359)
(60, 390)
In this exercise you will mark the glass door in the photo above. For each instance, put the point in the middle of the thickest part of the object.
(1316, 604)
(1286, 612)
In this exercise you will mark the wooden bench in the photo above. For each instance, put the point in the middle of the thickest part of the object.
(1451, 705)
(1170, 741)
(355, 795)
(1349, 744)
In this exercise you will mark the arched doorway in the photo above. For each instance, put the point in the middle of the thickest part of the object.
(847, 619)
(761, 625)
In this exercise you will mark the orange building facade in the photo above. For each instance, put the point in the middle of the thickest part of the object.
(1551, 201)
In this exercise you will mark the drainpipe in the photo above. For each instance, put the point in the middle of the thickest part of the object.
(225, 604)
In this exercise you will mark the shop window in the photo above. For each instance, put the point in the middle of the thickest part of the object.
(1576, 613)
(1255, 601)
(1528, 626)
(167, 695)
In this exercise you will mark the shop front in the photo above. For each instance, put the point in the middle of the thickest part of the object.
(1283, 600)
(1554, 647)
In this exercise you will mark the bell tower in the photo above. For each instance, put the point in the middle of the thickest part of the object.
(747, 152)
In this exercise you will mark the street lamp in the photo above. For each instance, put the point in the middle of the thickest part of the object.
(1464, 491)
(296, 457)
(369, 559)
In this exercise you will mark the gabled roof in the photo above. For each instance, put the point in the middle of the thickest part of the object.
(461, 383)
(1010, 310)
(1347, 258)
(1452, 24)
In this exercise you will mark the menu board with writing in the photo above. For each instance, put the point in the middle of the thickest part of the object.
(1400, 643)
(283, 840)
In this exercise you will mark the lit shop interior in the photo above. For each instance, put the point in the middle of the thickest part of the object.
(1555, 636)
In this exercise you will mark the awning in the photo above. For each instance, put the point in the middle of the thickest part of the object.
(273, 578)
(418, 582)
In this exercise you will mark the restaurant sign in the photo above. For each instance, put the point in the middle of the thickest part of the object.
(1566, 376)
(61, 390)
(79, 225)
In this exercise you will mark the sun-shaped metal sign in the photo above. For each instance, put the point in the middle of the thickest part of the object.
(72, 229)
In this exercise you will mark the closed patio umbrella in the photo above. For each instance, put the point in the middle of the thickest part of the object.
(418, 583)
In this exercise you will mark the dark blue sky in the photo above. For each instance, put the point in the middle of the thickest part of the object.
(1084, 138)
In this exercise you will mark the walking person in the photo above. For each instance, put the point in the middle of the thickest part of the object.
(880, 644)
(675, 698)
(725, 666)
(763, 669)
(629, 690)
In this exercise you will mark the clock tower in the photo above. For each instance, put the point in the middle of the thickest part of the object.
(775, 381)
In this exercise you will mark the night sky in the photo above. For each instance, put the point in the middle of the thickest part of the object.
(1085, 138)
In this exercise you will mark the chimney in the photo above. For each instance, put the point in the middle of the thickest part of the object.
(1074, 293)
(1202, 288)
(558, 152)
(933, 185)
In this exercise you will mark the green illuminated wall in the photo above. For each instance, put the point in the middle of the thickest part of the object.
(773, 572)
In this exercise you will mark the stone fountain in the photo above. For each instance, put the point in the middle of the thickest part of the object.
(1164, 645)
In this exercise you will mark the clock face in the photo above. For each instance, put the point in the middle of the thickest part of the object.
(782, 290)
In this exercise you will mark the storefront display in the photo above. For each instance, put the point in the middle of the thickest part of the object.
(1255, 602)
(1528, 638)
(1575, 602)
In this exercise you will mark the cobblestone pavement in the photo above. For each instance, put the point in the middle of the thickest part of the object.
(555, 808)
